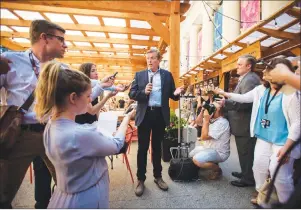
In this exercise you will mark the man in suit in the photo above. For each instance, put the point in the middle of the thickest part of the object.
(239, 116)
(152, 89)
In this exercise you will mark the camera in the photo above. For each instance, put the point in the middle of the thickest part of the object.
(209, 107)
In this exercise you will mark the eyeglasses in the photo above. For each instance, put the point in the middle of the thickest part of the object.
(60, 38)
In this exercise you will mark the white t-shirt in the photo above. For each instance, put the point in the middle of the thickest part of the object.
(219, 130)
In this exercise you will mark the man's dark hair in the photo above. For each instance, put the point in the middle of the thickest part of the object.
(251, 60)
(42, 26)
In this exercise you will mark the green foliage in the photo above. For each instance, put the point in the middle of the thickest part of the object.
(174, 122)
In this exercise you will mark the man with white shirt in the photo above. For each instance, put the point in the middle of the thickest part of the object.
(239, 116)
(47, 40)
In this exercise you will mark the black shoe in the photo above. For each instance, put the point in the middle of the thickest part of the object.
(237, 175)
(242, 183)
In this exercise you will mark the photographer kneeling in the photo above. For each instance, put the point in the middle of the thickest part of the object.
(215, 140)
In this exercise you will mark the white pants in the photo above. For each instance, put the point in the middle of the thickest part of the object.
(265, 161)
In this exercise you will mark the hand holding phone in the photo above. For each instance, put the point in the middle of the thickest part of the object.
(114, 75)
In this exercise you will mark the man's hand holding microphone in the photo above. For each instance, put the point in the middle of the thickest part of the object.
(149, 86)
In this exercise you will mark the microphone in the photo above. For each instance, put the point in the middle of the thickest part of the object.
(151, 79)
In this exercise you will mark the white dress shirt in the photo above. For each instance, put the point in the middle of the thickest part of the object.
(20, 81)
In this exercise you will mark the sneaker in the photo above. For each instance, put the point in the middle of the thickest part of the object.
(140, 188)
(161, 184)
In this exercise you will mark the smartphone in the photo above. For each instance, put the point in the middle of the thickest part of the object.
(114, 75)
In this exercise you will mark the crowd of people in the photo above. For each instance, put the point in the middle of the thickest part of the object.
(59, 131)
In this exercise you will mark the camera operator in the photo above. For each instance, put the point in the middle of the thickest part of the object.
(215, 145)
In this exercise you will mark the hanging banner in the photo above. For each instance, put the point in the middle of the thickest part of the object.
(230, 63)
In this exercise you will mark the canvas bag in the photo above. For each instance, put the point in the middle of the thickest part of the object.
(10, 125)
(262, 193)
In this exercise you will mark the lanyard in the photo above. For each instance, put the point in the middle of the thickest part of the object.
(33, 64)
(267, 102)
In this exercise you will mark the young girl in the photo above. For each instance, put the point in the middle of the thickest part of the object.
(76, 151)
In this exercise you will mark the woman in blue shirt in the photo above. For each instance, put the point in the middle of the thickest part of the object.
(76, 151)
(275, 121)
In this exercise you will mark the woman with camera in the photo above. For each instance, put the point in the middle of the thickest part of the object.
(275, 121)
(215, 140)
(77, 151)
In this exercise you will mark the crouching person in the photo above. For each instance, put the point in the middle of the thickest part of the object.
(214, 146)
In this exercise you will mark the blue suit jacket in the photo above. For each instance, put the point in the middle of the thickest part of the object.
(137, 93)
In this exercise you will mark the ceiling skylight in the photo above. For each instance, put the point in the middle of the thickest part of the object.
(120, 46)
(21, 29)
(119, 36)
(20, 40)
(68, 43)
(156, 38)
(28, 15)
(123, 54)
(7, 14)
(60, 18)
(92, 33)
(140, 37)
(73, 51)
(138, 47)
(101, 44)
(81, 19)
(268, 42)
(76, 33)
(138, 54)
(107, 53)
(114, 22)
(89, 52)
(5, 28)
(140, 24)
(82, 44)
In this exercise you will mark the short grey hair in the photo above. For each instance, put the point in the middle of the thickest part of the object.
(155, 50)
(251, 60)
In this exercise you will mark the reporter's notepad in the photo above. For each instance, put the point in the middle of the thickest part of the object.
(107, 122)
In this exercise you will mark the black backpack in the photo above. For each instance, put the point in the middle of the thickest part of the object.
(183, 169)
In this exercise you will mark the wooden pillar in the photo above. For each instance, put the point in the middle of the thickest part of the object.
(174, 55)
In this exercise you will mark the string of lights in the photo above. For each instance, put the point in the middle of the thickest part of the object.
(214, 24)
(231, 17)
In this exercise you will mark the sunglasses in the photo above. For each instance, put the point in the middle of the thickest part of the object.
(60, 38)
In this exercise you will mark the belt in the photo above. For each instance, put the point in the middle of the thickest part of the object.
(153, 108)
(33, 127)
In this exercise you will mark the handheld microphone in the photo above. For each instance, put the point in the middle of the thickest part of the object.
(151, 79)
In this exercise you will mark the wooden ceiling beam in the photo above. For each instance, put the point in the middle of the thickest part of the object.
(103, 56)
(11, 45)
(88, 39)
(280, 49)
(161, 7)
(295, 12)
(85, 27)
(106, 61)
(158, 27)
(73, 11)
(278, 34)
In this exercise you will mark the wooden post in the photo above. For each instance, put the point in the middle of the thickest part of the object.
(174, 52)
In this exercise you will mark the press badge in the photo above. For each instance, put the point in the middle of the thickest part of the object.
(265, 123)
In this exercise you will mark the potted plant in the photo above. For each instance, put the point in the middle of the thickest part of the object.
(171, 136)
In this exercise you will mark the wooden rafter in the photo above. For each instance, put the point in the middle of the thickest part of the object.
(11, 45)
(95, 39)
(161, 7)
(158, 27)
(277, 33)
(85, 27)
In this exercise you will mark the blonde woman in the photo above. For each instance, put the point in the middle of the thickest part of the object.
(76, 151)
(275, 121)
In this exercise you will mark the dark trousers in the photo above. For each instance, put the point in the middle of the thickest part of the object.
(42, 178)
(153, 121)
(245, 147)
